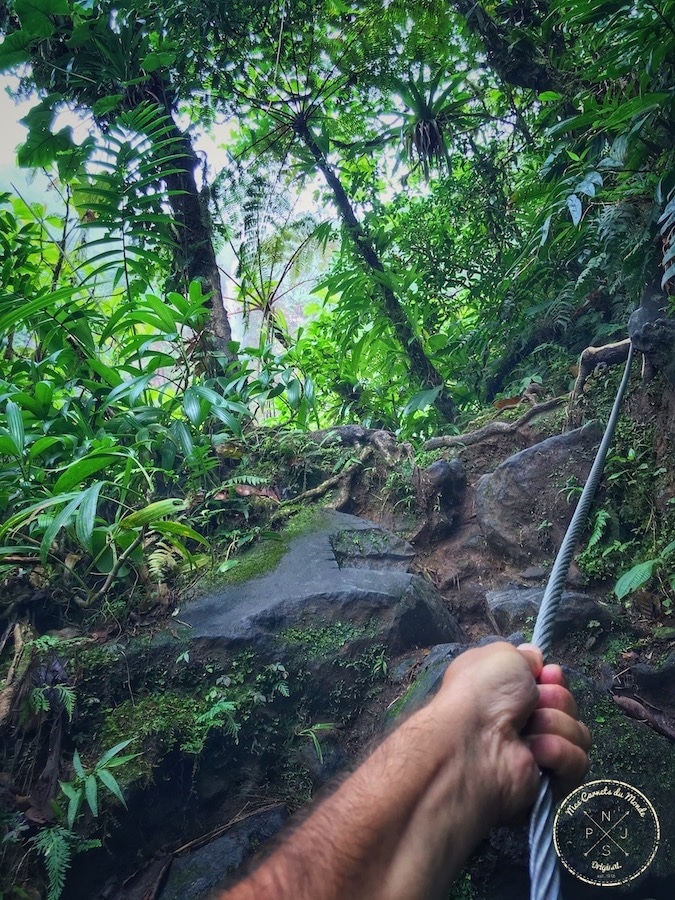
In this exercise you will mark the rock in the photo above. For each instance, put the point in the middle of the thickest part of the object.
(535, 573)
(521, 507)
(630, 751)
(371, 548)
(440, 490)
(651, 328)
(517, 607)
(195, 873)
(314, 587)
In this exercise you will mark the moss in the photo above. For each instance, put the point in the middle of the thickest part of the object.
(463, 888)
(621, 749)
(402, 702)
(266, 555)
(321, 641)
(156, 723)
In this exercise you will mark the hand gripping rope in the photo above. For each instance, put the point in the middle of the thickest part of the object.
(544, 872)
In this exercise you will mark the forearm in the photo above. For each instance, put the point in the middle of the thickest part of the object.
(400, 828)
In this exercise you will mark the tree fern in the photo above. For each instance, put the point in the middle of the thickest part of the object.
(124, 199)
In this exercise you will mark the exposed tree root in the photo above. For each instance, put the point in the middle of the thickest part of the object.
(493, 428)
(356, 435)
(610, 355)
(342, 479)
(15, 674)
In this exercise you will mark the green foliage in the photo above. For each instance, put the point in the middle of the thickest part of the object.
(320, 641)
(56, 846)
(53, 845)
(41, 699)
(186, 719)
(641, 573)
(489, 194)
(85, 783)
(312, 733)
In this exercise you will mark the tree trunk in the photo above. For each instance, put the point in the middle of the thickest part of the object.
(196, 256)
(420, 365)
(512, 54)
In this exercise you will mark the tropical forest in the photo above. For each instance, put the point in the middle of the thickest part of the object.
(312, 317)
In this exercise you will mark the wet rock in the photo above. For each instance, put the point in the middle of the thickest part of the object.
(372, 548)
(440, 490)
(534, 573)
(517, 607)
(199, 871)
(312, 588)
(521, 507)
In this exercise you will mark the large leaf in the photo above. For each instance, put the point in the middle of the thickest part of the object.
(86, 515)
(36, 15)
(421, 400)
(153, 512)
(15, 426)
(80, 470)
(634, 578)
(575, 208)
(59, 522)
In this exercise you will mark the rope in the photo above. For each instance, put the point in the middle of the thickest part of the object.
(544, 872)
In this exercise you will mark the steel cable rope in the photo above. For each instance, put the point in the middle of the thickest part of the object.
(544, 871)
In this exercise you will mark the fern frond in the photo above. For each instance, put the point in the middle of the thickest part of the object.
(252, 480)
(54, 846)
(602, 518)
(161, 561)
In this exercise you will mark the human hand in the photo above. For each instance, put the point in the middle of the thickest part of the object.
(517, 717)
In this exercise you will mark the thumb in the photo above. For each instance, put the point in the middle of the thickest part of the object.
(533, 657)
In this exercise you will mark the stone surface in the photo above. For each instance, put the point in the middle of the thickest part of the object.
(651, 328)
(440, 490)
(515, 607)
(310, 588)
(195, 873)
(371, 548)
(521, 507)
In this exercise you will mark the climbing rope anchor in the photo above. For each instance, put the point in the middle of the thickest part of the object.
(544, 869)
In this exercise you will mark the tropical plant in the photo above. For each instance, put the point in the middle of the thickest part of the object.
(641, 573)
(85, 783)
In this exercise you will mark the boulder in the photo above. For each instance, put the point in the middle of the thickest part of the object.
(514, 607)
(331, 576)
(200, 870)
(522, 508)
(429, 674)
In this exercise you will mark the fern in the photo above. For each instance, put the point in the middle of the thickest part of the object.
(123, 200)
(42, 699)
(634, 578)
(602, 518)
(161, 561)
(251, 480)
(54, 844)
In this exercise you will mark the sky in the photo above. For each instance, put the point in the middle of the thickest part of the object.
(11, 134)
